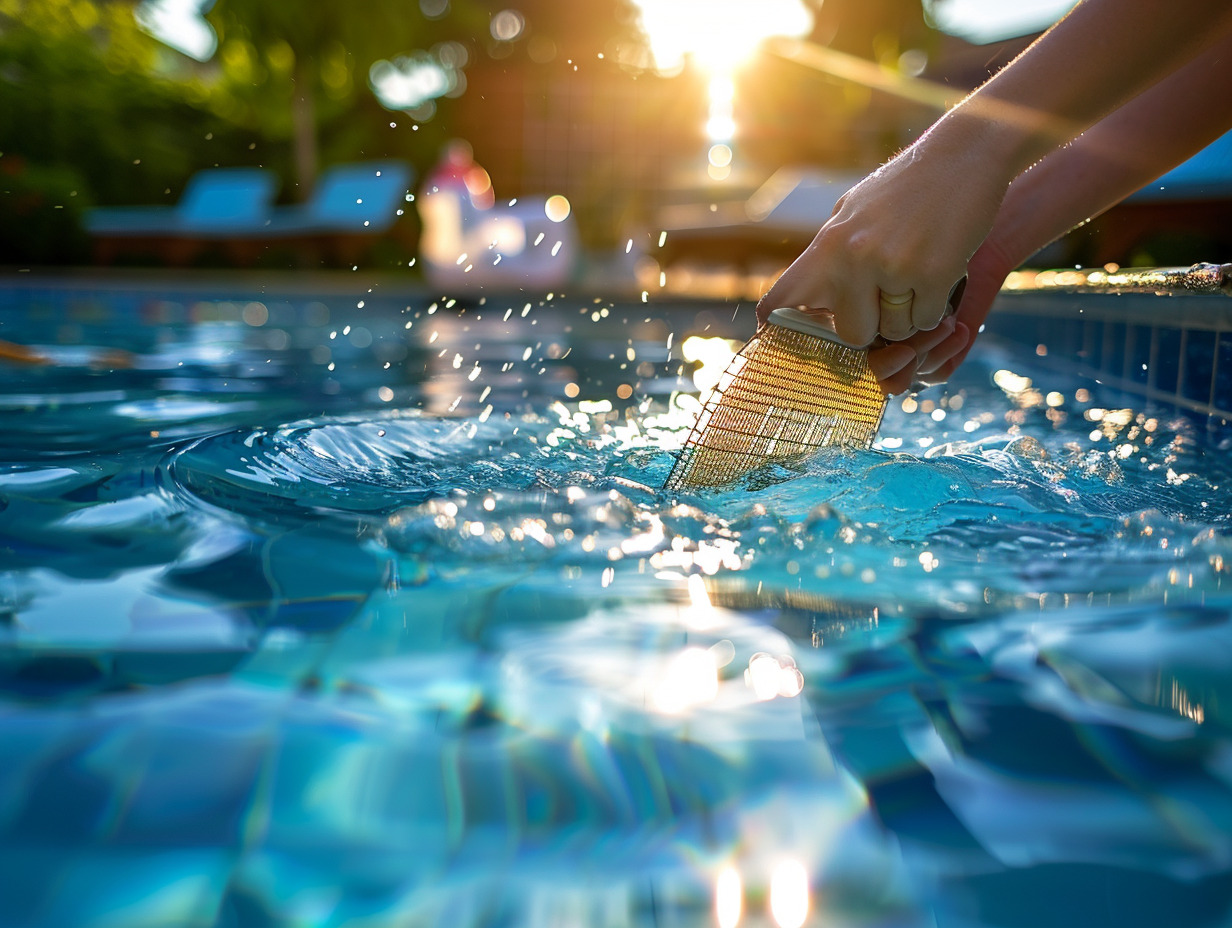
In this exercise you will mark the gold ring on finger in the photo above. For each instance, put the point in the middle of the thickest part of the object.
(897, 300)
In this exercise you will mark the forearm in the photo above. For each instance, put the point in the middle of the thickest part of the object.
(1151, 133)
(938, 210)
(1103, 54)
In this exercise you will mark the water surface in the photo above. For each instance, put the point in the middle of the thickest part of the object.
(316, 613)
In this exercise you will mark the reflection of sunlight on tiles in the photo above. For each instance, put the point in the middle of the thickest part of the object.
(635, 667)
(708, 556)
(728, 898)
(647, 541)
(698, 597)
(789, 894)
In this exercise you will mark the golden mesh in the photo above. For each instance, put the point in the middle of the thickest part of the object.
(785, 395)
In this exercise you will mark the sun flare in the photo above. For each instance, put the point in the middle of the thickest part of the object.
(717, 35)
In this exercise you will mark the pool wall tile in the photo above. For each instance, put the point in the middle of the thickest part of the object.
(1170, 349)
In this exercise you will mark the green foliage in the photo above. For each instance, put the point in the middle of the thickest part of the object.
(40, 213)
(273, 55)
(93, 111)
(76, 91)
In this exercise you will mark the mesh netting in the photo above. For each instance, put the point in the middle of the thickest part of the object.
(783, 396)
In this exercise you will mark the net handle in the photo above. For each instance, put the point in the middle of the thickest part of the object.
(821, 322)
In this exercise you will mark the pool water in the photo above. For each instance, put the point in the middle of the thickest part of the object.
(364, 608)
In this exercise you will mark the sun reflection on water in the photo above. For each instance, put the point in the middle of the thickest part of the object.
(713, 355)
(690, 679)
(728, 897)
(789, 894)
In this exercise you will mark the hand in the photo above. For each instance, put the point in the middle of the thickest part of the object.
(931, 357)
(887, 257)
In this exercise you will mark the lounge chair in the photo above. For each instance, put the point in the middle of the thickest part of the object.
(362, 198)
(771, 225)
(353, 204)
(231, 208)
(218, 204)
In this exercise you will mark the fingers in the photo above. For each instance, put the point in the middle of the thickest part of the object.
(903, 381)
(872, 277)
(805, 284)
(894, 366)
(895, 313)
(887, 360)
(945, 350)
(808, 285)
(863, 311)
(900, 365)
(919, 309)
(857, 315)
(948, 356)
(929, 307)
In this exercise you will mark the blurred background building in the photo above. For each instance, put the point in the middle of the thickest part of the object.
(624, 107)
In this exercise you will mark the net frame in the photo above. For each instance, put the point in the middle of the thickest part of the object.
(784, 395)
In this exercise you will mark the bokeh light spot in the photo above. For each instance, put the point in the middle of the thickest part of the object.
(728, 897)
(507, 25)
(720, 155)
(557, 208)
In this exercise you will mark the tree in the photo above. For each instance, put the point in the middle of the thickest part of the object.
(288, 67)
(89, 112)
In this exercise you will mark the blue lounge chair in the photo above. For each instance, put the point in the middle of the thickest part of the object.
(353, 205)
(769, 228)
(217, 204)
(231, 207)
(350, 199)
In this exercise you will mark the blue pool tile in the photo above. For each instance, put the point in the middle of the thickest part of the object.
(1138, 354)
(1167, 358)
(1112, 349)
(1199, 365)
(1223, 372)
(135, 888)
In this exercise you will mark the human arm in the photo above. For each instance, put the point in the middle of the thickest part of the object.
(914, 225)
(1158, 129)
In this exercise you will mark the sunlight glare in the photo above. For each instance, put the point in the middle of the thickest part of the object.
(717, 34)
(728, 897)
(690, 679)
(789, 894)
(713, 354)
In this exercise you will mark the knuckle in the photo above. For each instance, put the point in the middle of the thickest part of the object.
(895, 265)
(860, 246)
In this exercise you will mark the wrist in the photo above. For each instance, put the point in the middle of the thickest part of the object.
(996, 259)
(992, 148)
